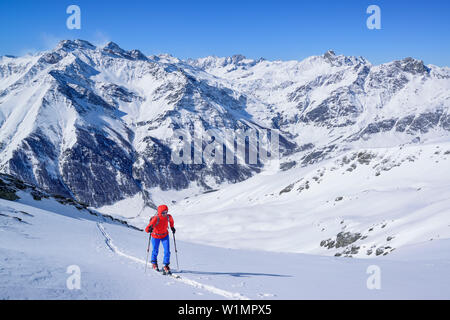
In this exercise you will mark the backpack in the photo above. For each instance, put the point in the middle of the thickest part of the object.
(158, 219)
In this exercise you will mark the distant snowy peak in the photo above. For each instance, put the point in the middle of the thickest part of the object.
(413, 66)
(70, 45)
(236, 62)
(81, 46)
(114, 49)
(212, 62)
(239, 61)
(341, 60)
(165, 58)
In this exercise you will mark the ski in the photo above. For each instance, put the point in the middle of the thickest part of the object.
(164, 273)
(168, 274)
(172, 275)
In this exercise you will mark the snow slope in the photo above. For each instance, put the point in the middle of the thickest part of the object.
(380, 200)
(37, 246)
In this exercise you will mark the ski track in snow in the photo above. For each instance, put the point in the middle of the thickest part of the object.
(195, 284)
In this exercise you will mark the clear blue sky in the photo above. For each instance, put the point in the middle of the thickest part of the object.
(278, 29)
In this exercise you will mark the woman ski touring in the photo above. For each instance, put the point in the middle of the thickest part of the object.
(158, 228)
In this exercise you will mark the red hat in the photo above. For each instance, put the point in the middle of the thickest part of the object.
(162, 208)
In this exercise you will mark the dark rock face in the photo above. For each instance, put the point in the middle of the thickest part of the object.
(69, 45)
(445, 122)
(411, 124)
(343, 239)
(381, 126)
(317, 155)
(337, 106)
(365, 157)
(123, 94)
(323, 80)
(114, 50)
(91, 167)
(159, 170)
(287, 165)
(425, 121)
(404, 123)
(390, 79)
(51, 58)
(422, 123)
(341, 108)
(37, 146)
(7, 193)
(412, 66)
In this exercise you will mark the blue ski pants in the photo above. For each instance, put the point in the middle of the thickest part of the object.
(166, 245)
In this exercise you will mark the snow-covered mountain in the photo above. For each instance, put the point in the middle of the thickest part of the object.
(363, 173)
(93, 123)
(337, 99)
(97, 124)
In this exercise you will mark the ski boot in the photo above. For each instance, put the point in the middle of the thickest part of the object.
(155, 266)
(166, 270)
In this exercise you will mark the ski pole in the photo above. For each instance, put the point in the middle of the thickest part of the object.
(148, 251)
(176, 252)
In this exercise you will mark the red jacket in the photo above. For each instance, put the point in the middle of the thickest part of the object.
(160, 223)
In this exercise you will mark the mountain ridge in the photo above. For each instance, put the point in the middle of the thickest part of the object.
(96, 123)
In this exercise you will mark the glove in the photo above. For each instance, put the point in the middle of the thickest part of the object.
(150, 230)
(173, 229)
